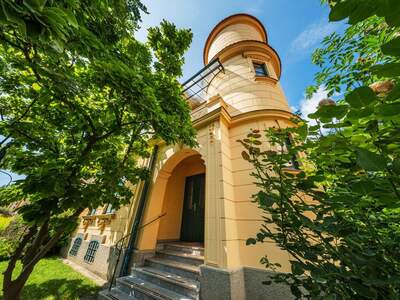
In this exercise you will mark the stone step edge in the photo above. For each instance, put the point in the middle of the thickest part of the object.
(174, 264)
(106, 294)
(172, 280)
(183, 246)
(147, 290)
(181, 254)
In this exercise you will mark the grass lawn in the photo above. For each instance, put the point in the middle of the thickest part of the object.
(4, 221)
(52, 279)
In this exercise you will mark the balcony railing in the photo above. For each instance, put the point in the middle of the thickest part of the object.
(195, 88)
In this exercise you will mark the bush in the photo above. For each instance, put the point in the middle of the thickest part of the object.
(10, 236)
(4, 222)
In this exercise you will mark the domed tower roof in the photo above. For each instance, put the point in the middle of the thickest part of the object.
(239, 29)
(233, 29)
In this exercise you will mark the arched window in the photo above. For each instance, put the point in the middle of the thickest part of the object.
(75, 247)
(91, 251)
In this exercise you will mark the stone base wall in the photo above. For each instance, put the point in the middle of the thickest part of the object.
(240, 284)
(104, 261)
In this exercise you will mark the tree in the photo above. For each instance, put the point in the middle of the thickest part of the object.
(338, 217)
(80, 100)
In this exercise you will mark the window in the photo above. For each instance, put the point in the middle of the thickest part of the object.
(75, 247)
(92, 212)
(260, 69)
(91, 251)
(109, 209)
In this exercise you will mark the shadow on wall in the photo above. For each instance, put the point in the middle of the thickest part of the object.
(60, 289)
(111, 262)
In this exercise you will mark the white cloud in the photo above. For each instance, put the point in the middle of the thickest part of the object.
(308, 39)
(309, 106)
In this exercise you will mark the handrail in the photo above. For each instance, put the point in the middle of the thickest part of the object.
(152, 221)
(119, 245)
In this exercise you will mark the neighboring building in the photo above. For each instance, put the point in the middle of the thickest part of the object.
(198, 212)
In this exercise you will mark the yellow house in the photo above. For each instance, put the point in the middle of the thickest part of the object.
(189, 224)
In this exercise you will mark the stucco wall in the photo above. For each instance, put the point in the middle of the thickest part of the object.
(240, 90)
(232, 34)
(242, 217)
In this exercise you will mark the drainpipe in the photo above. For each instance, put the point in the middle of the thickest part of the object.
(139, 214)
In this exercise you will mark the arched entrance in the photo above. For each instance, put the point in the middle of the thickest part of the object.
(177, 200)
(183, 203)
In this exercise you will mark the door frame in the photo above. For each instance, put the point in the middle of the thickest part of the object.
(202, 201)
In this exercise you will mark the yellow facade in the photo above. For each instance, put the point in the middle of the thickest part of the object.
(237, 101)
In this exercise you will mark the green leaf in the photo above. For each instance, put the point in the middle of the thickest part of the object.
(12, 17)
(264, 199)
(251, 241)
(297, 268)
(392, 47)
(390, 9)
(386, 70)
(342, 10)
(394, 94)
(332, 111)
(370, 161)
(362, 11)
(36, 4)
(245, 156)
(364, 290)
(389, 109)
(360, 97)
(362, 187)
(71, 19)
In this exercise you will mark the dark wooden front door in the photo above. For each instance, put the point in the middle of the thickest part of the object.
(192, 229)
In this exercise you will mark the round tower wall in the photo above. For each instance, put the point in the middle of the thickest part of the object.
(243, 91)
(232, 34)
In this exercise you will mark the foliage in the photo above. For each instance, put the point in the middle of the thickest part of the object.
(10, 237)
(4, 222)
(52, 279)
(338, 217)
(80, 98)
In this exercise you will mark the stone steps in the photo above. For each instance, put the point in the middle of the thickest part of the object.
(194, 250)
(171, 281)
(114, 294)
(171, 275)
(182, 257)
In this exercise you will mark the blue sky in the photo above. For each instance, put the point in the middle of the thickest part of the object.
(295, 28)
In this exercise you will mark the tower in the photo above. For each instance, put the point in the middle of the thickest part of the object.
(252, 67)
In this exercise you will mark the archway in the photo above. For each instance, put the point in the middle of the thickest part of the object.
(183, 202)
(166, 205)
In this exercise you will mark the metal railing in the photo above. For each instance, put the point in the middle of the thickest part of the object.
(119, 246)
(197, 85)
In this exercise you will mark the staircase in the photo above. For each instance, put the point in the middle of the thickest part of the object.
(172, 274)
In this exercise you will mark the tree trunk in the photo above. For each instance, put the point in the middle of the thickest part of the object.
(12, 291)
(12, 288)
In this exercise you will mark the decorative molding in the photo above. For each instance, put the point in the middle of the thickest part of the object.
(255, 55)
(266, 79)
(214, 100)
(102, 223)
(223, 114)
(211, 132)
(262, 50)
